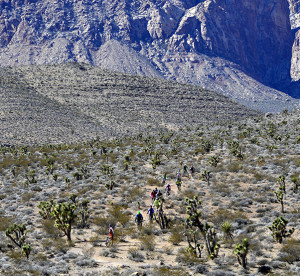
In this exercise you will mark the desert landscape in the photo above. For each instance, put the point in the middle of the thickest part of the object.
(150, 138)
(245, 181)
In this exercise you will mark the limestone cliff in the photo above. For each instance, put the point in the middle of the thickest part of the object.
(155, 38)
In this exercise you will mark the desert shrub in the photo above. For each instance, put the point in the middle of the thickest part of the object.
(61, 245)
(50, 229)
(290, 251)
(176, 234)
(168, 250)
(221, 215)
(153, 182)
(184, 257)
(147, 229)
(15, 255)
(40, 257)
(5, 222)
(189, 192)
(102, 223)
(27, 196)
(135, 255)
(116, 214)
(258, 176)
(164, 271)
(135, 193)
(222, 188)
(94, 240)
(234, 166)
(147, 242)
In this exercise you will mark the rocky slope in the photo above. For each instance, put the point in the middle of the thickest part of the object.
(76, 102)
(217, 44)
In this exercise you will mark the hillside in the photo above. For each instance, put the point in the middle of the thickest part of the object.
(76, 102)
(242, 49)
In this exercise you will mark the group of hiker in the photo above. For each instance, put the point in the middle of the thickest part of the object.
(157, 197)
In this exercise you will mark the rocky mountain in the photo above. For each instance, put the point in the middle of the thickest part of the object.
(238, 48)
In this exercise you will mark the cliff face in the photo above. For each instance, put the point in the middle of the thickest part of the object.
(151, 37)
(295, 13)
(295, 22)
(254, 34)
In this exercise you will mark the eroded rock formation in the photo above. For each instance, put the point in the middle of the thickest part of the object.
(156, 37)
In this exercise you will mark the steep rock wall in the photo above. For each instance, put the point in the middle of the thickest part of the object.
(255, 34)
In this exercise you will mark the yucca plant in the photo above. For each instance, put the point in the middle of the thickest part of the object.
(227, 230)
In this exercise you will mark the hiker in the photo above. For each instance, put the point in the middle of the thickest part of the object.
(111, 232)
(158, 194)
(168, 189)
(178, 184)
(153, 195)
(179, 175)
(150, 212)
(185, 172)
(139, 219)
(157, 203)
(192, 170)
(164, 178)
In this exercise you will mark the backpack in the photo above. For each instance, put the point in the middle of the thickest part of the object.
(151, 211)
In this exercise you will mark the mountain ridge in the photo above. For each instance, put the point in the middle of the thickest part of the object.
(74, 102)
(165, 38)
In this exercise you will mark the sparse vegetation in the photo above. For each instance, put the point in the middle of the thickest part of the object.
(92, 191)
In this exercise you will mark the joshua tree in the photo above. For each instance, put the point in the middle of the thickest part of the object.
(107, 170)
(67, 180)
(13, 171)
(160, 217)
(84, 172)
(241, 251)
(50, 165)
(155, 161)
(236, 150)
(110, 185)
(206, 175)
(194, 247)
(17, 234)
(31, 177)
(214, 160)
(281, 181)
(279, 195)
(46, 209)
(206, 145)
(77, 176)
(64, 215)
(279, 231)
(83, 211)
(26, 249)
(207, 231)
